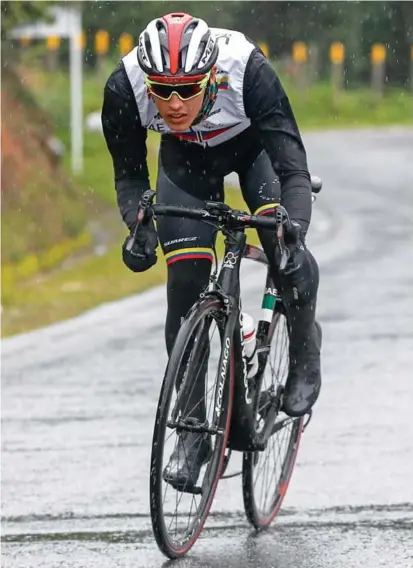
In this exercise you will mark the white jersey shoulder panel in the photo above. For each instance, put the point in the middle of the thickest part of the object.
(227, 118)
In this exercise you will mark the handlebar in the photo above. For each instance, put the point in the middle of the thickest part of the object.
(225, 218)
(222, 216)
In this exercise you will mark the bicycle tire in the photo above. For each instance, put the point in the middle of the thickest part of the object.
(211, 306)
(256, 517)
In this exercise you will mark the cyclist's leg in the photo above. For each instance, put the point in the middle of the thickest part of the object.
(187, 245)
(261, 190)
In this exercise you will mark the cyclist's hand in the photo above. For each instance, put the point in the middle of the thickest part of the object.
(295, 245)
(292, 235)
(143, 253)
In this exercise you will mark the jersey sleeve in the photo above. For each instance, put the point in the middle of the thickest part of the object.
(267, 106)
(126, 140)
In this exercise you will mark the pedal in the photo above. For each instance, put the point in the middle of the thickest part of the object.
(268, 400)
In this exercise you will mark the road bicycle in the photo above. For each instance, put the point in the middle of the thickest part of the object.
(238, 413)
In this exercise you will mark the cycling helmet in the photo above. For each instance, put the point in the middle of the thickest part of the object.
(177, 45)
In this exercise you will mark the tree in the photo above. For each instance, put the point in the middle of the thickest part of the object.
(17, 12)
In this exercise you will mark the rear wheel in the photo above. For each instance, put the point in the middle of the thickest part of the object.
(266, 474)
(179, 511)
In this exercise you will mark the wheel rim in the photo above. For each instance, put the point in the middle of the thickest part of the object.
(272, 468)
(183, 514)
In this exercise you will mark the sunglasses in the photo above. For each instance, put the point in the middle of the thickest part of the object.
(185, 91)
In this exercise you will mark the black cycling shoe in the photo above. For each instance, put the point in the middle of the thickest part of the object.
(192, 451)
(304, 377)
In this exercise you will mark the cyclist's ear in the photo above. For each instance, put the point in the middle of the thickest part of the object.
(213, 74)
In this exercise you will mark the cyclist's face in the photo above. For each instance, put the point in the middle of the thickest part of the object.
(179, 114)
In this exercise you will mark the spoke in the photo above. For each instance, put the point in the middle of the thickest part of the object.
(205, 379)
(271, 467)
(191, 397)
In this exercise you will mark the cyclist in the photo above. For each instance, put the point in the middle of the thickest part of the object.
(219, 107)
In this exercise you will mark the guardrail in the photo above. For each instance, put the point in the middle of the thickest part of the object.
(304, 58)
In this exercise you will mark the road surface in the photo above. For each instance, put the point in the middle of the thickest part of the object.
(79, 400)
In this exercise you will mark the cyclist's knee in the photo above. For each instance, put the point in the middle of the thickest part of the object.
(188, 274)
(186, 280)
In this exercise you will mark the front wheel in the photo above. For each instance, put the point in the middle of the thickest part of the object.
(194, 411)
(266, 474)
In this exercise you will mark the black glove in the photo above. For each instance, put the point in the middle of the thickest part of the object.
(295, 245)
(292, 235)
(143, 252)
(299, 279)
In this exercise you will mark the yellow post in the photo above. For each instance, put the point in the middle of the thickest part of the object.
(264, 48)
(52, 44)
(102, 40)
(126, 43)
(337, 51)
(300, 54)
(25, 41)
(337, 54)
(81, 40)
(313, 63)
(300, 58)
(378, 54)
(378, 58)
(411, 68)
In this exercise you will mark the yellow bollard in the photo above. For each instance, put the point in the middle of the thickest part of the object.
(300, 58)
(378, 58)
(25, 41)
(411, 68)
(81, 40)
(126, 43)
(300, 52)
(102, 42)
(337, 54)
(52, 44)
(264, 48)
(378, 54)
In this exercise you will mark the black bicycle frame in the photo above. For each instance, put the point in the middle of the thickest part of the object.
(242, 435)
(227, 287)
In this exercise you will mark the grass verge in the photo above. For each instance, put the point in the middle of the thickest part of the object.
(48, 298)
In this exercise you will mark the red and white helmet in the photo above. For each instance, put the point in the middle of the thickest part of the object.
(177, 44)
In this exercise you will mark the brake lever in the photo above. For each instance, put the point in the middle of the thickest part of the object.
(143, 211)
(284, 251)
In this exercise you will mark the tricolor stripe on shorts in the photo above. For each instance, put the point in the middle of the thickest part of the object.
(189, 254)
(266, 209)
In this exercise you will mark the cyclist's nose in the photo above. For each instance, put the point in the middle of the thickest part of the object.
(175, 102)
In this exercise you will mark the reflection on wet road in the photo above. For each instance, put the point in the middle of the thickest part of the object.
(79, 400)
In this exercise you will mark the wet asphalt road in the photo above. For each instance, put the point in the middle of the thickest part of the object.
(78, 403)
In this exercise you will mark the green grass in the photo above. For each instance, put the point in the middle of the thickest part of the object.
(50, 297)
(319, 107)
(65, 293)
(97, 177)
